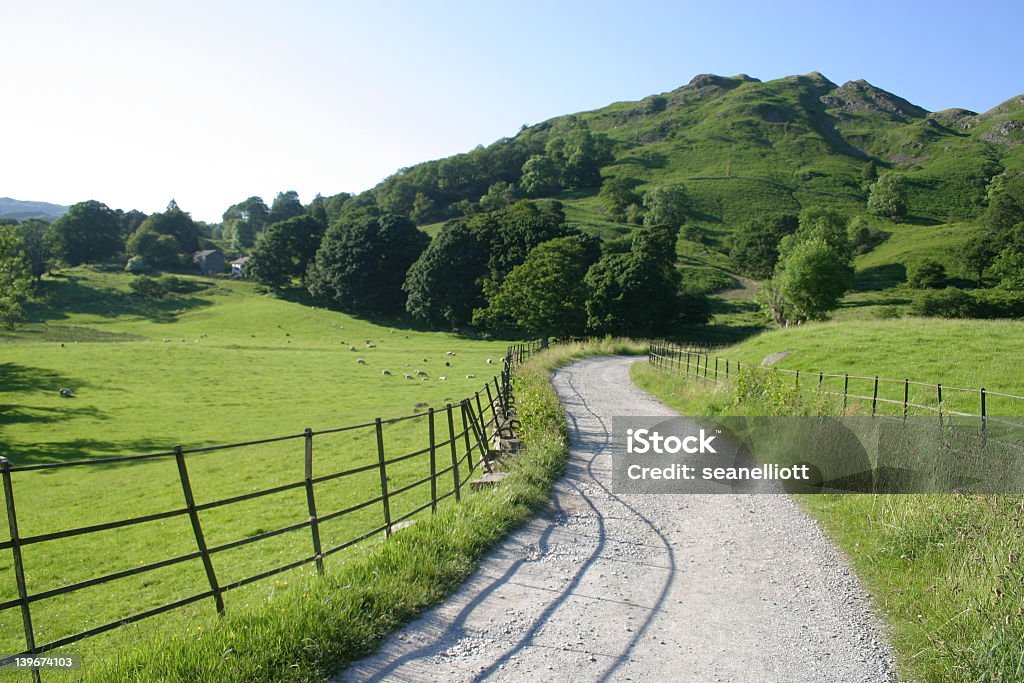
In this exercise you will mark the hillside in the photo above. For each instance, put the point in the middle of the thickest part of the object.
(15, 208)
(744, 147)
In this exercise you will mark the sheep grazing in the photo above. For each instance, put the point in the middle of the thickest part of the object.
(442, 378)
(351, 348)
(66, 393)
(470, 376)
(425, 379)
(407, 375)
(489, 361)
(386, 373)
(449, 353)
(361, 361)
(371, 346)
(421, 373)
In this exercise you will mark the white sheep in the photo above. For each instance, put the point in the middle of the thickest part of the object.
(489, 361)
(407, 375)
(421, 373)
(449, 353)
(442, 378)
(470, 376)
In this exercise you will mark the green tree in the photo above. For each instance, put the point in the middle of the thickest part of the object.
(176, 223)
(754, 246)
(423, 209)
(926, 274)
(510, 234)
(1003, 212)
(15, 277)
(285, 250)
(888, 196)
(363, 260)
(579, 155)
(244, 221)
(813, 278)
(31, 233)
(539, 176)
(870, 172)
(286, 205)
(155, 249)
(824, 224)
(546, 294)
(666, 205)
(445, 284)
(499, 195)
(637, 293)
(318, 210)
(977, 254)
(89, 232)
(617, 196)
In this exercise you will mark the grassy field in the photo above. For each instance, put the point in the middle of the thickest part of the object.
(219, 365)
(944, 570)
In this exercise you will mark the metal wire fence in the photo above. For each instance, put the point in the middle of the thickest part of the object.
(858, 393)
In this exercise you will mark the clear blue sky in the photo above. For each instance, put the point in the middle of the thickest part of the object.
(133, 103)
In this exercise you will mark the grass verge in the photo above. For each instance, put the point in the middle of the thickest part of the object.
(317, 625)
(945, 570)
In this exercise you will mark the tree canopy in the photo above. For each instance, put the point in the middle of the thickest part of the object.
(90, 231)
(546, 294)
(362, 262)
(285, 250)
(445, 284)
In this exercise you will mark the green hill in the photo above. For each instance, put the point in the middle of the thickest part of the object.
(744, 147)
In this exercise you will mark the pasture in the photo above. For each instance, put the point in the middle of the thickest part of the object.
(217, 365)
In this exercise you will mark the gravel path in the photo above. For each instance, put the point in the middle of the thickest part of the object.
(644, 587)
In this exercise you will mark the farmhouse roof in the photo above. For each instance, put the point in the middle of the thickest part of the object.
(203, 254)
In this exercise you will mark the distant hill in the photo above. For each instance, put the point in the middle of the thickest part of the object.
(15, 208)
(744, 147)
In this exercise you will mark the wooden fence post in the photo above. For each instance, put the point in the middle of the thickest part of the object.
(433, 461)
(197, 528)
(465, 432)
(874, 397)
(984, 412)
(906, 396)
(382, 466)
(19, 567)
(939, 388)
(455, 453)
(846, 389)
(314, 523)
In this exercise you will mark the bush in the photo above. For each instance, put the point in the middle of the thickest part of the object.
(147, 287)
(956, 303)
(178, 285)
(926, 274)
(888, 313)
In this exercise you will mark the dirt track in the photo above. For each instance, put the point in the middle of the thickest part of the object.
(644, 587)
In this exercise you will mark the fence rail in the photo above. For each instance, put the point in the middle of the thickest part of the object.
(901, 394)
(458, 437)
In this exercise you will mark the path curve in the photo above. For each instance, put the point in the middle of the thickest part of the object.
(604, 587)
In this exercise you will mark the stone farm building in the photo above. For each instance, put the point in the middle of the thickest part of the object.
(209, 261)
